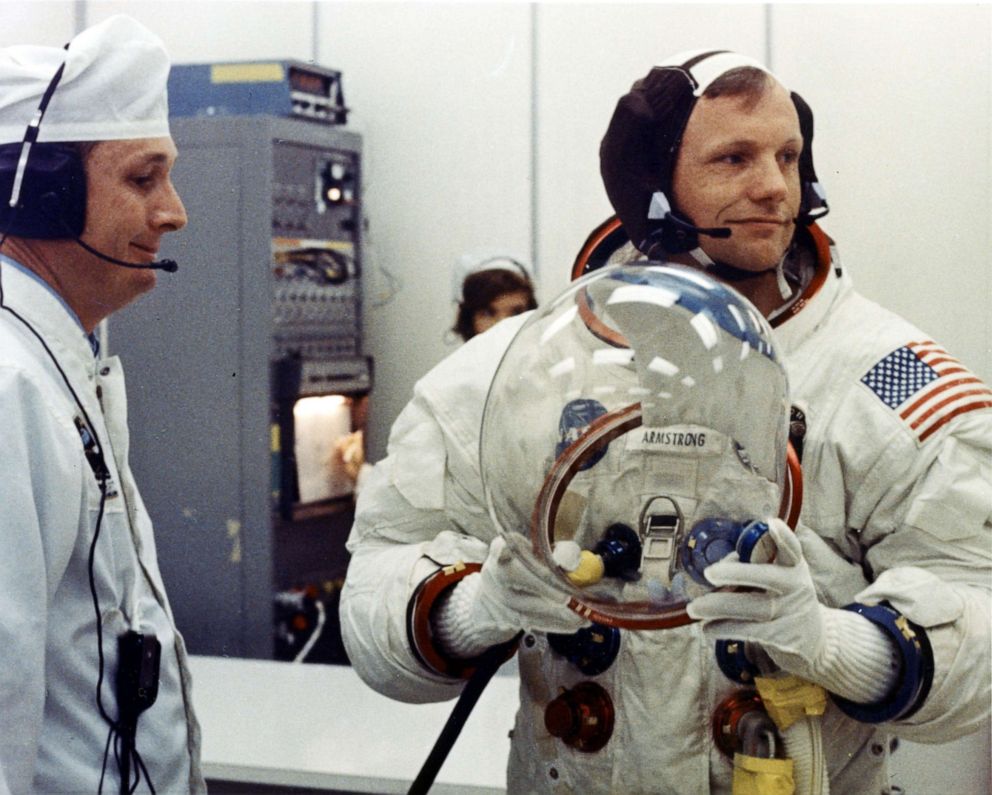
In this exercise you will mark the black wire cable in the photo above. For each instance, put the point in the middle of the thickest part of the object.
(129, 760)
(106, 754)
(140, 766)
(489, 663)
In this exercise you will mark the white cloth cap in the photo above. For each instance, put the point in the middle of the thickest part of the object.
(709, 69)
(467, 264)
(113, 86)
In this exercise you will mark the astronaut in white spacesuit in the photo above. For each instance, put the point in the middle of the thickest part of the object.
(880, 597)
(95, 689)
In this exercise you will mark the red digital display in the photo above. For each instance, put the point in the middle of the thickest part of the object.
(308, 82)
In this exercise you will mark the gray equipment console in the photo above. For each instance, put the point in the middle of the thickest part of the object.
(266, 307)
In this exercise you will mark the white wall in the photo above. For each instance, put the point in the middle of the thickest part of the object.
(482, 123)
(441, 94)
(903, 99)
(36, 22)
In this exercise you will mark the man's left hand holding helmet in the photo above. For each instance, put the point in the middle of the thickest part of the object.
(775, 606)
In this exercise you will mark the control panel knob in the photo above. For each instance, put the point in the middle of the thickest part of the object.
(592, 649)
(741, 725)
(582, 717)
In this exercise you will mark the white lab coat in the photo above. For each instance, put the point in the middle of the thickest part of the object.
(52, 736)
(895, 519)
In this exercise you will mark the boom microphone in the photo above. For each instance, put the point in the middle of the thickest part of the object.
(661, 210)
(167, 265)
(49, 204)
(709, 231)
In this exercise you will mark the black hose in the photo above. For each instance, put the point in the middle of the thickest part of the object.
(489, 663)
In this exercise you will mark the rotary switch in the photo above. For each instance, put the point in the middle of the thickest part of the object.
(741, 725)
(582, 717)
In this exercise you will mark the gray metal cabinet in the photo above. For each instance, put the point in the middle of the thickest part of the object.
(269, 274)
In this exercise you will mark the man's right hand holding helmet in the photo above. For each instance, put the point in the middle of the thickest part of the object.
(489, 607)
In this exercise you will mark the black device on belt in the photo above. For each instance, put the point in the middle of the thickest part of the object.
(138, 656)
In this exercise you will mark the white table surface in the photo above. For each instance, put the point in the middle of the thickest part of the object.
(320, 726)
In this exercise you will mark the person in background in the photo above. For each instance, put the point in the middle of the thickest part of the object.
(95, 692)
(498, 289)
(881, 596)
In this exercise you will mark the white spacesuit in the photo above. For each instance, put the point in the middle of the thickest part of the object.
(895, 524)
(911, 515)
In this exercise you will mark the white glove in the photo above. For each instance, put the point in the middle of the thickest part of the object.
(838, 649)
(491, 606)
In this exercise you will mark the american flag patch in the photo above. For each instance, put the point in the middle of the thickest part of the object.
(926, 386)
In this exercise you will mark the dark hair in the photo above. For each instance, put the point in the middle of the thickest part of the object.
(480, 289)
(744, 81)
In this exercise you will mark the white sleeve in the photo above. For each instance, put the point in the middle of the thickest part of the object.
(401, 535)
(39, 495)
(935, 567)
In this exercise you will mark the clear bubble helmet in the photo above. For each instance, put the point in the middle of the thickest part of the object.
(633, 421)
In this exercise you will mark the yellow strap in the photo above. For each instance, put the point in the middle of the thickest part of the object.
(789, 698)
(756, 776)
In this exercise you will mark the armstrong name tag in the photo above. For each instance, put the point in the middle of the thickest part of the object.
(675, 439)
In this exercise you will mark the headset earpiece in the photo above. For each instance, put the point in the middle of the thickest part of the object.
(673, 238)
(52, 200)
(814, 199)
(49, 206)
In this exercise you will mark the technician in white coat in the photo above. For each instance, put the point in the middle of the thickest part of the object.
(94, 687)
(708, 162)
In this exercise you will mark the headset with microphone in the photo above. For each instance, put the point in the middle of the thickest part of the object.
(640, 148)
(676, 234)
(167, 265)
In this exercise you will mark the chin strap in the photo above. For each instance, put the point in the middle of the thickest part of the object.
(732, 274)
(704, 259)
(783, 285)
